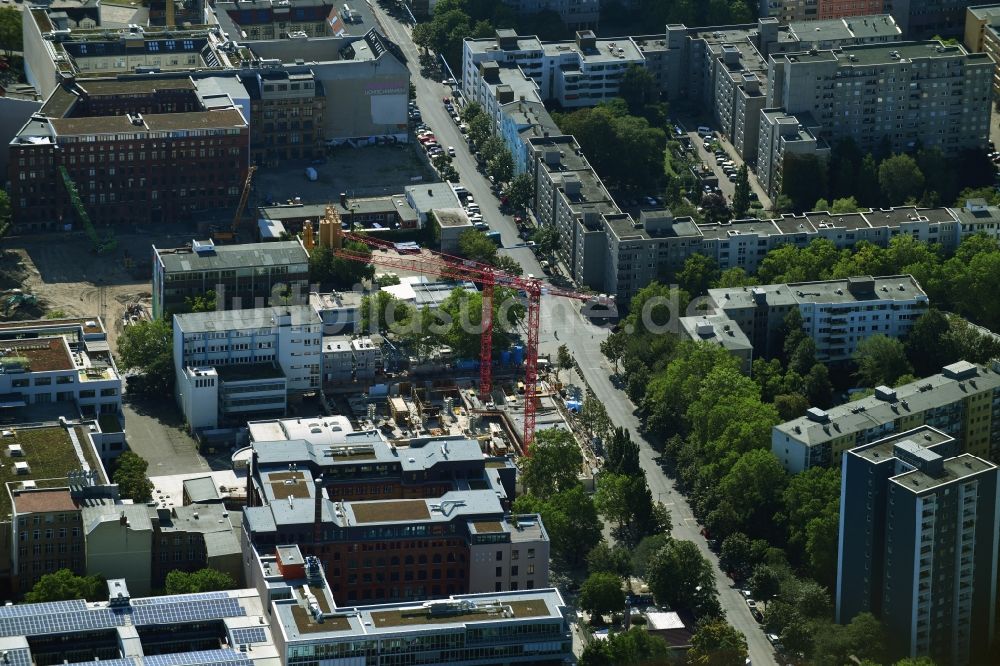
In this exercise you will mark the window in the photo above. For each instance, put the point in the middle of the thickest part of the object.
(499, 556)
(499, 572)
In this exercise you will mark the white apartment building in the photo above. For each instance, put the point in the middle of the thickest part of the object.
(346, 359)
(237, 363)
(584, 72)
(59, 361)
(836, 314)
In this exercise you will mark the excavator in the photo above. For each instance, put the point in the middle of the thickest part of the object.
(224, 236)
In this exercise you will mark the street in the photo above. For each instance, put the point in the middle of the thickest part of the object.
(708, 157)
(581, 336)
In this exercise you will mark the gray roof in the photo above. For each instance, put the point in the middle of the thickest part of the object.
(230, 320)
(886, 288)
(233, 256)
(959, 381)
(724, 331)
(201, 490)
(106, 511)
(431, 196)
(845, 29)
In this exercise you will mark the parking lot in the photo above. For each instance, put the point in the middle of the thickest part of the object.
(708, 157)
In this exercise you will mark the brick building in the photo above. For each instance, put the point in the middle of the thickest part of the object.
(119, 141)
(287, 114)
(392, 523)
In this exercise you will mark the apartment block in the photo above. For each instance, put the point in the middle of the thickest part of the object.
(918, 544)
(245, 275)
(583, 72)
(982, 35)
(192, 537)
(228, 627)
(347, 359)
(392, 522)
(60, 363)
(570, 197)
(237, 363)
(836, 314)
(780, 137)
(718, 329)
(962, 401)
(911, 93)
(922, 19)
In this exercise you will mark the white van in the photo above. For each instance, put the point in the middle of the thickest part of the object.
(704, 131)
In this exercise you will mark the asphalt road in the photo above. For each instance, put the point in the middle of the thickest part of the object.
(562, 323)
(430, 94)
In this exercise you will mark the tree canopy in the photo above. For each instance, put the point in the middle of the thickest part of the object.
(147, 347)
(553, 463)
(64, 585)
(203, 580)
(602, 594)
(131, 477)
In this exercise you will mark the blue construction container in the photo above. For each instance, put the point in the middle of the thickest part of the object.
(505, 357)
(518, 355)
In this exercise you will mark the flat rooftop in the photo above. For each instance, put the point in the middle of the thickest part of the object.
(955, 469)
(37, 355)
(248, 371)
(390, 510)
(50, 454)
(153, 122)
(883, 288)
(455, 612)
(233, 320)
(846, 29)
(923, 437)
(278, 253)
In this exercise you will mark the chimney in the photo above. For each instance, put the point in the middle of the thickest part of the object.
(318, 513)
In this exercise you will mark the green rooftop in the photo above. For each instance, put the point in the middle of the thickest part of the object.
(415, 616)
(49, 453)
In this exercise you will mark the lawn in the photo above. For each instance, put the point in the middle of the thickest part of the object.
(49, 453)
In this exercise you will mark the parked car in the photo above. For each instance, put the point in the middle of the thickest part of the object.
(451, 150)
(751, 604)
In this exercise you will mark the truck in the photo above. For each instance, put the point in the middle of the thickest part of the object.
(311, 173)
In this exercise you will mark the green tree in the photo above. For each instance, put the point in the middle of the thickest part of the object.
(10, 31)
(203, 303)
(637, 88)
(863, 638)
(817, 386)
(803, 179)
(553, 463)
(501, 167)
(521, 191)
(868, 191)
(5, 210)
(612, 498)
(602, 594)
(791, 405)
(508, 264)
(64, 585)
(616, 559)
(622, 454)
(473, 244)
(147, 347)
(845, 205)
(547, 239)
(471, 110)
(326, 268)
(753, 486)
(381, 312)
(698, 273)
(203, 580)
(717, 643)
(735, 556)
(594, 418)
(644, 552)
(570, 519)
(564, 359)
(479, 130)
(881, 360)
(900, 179)
(765, 583)
(741, 197)
(680, 577)
(635, 647)
(734, 277)
(131, 477)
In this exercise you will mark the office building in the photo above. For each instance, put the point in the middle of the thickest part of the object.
(202, 629)
(242, 276)
(918, 545)
(963, 401)
(911, 93)
(110, 148)
(395, 523)
(523, 627)
(982, 35)
(340, 311)
(836, 314)
(59, 363)
(238, 363)
(318, 431)
(288, 111)
(347, 359)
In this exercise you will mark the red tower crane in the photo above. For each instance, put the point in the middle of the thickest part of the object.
(488, 277)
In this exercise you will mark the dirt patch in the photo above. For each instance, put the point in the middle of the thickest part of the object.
(70, 280)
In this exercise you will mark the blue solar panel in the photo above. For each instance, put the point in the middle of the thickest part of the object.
(106, 662)
(186, 611)
(249, 636)
(87, 620)
(18, 657)
(180, 598)
(201, 658)
(48, 608)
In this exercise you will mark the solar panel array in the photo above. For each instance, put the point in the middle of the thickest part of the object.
(200, 658)
(186, 611)
(34, 625)
(18, 657)
(164, 601)
(47, 608)
(107, 662)
(249, 636)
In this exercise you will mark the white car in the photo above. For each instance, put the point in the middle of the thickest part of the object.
(451, 150)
